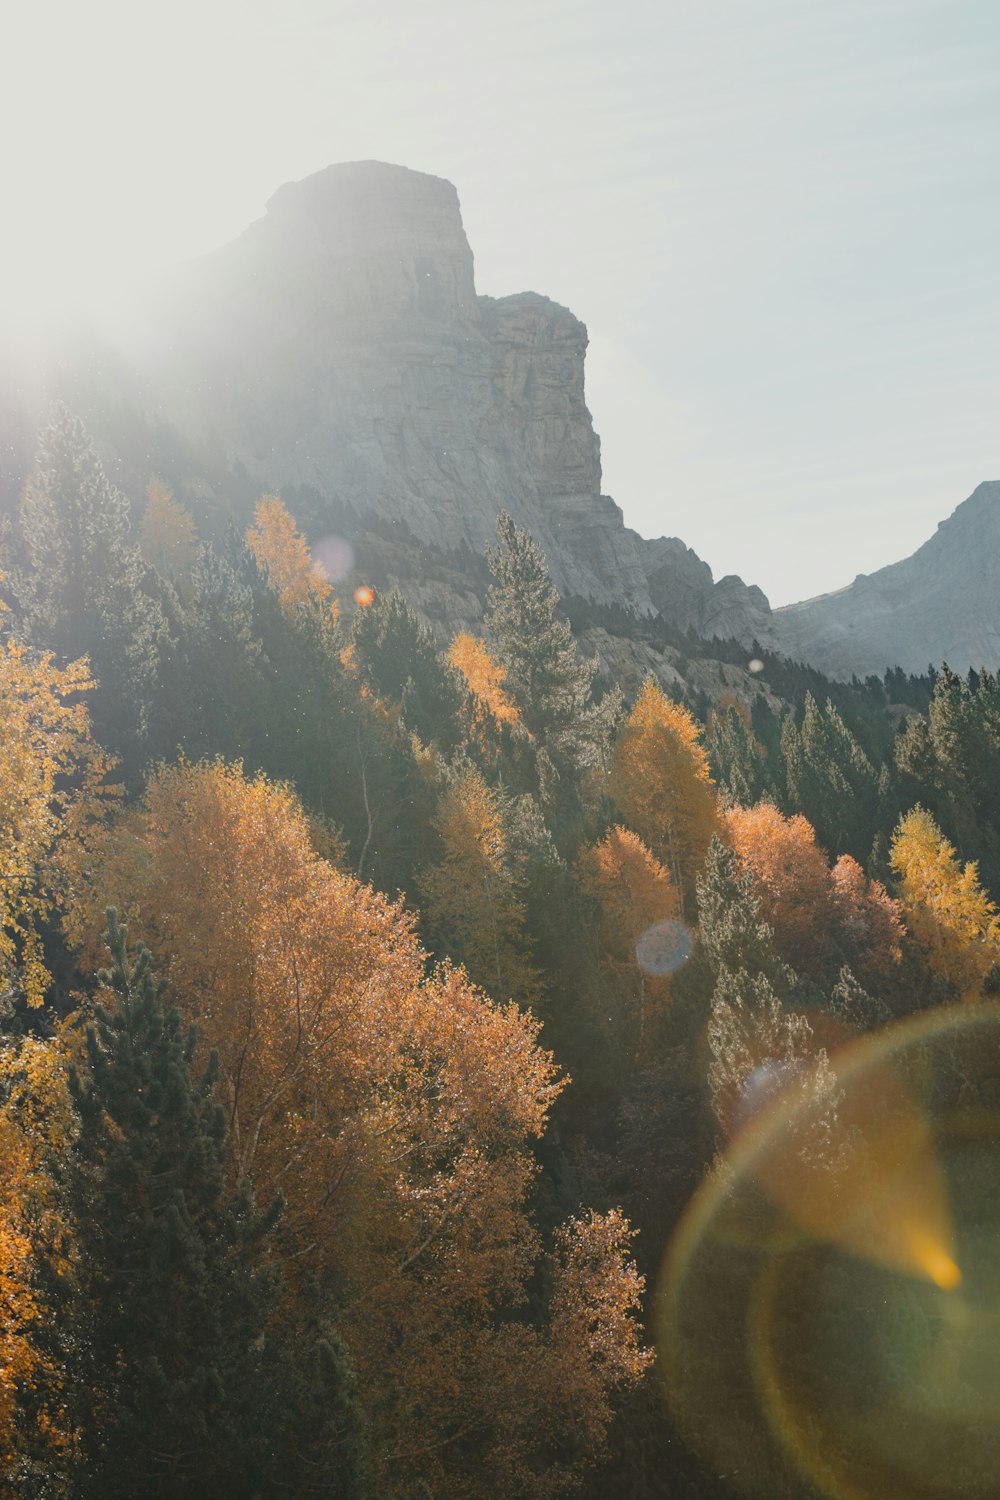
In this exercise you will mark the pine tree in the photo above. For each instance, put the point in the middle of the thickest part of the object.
(175, 1295)
(732, 933)
(759, 1050)
(546, 677)
(738, 759)
(396, 657)
(830, 779)
(84, 590)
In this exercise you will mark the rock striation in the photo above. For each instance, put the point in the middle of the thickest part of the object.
(938, 605)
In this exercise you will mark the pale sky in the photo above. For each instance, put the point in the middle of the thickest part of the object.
(780, 219)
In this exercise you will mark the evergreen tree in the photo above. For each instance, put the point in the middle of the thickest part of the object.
(85, 589)
(175, 1294)
(227, 686)
(830, 779)
(949, 761)
(396, 656)
(732, 933)
(548, 680)
(737, 757)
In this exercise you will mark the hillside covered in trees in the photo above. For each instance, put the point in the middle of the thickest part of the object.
(371, 1009)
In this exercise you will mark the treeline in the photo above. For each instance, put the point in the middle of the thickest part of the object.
(361, 1001)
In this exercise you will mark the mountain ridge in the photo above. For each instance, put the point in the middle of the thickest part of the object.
(938, 604)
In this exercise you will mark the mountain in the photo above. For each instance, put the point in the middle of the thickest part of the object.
(941, 604)
(338, 353)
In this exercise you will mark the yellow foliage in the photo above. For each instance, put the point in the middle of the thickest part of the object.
(283, 556)
(791, 879)
(169, 540)
(51, 786)
(661, 781)
(484, 677)
(489, 710)
(471, 895)
(945, 907)
(634, 892)
(35, 1128)
(310, 985)
(814, 912)
(396, 1113)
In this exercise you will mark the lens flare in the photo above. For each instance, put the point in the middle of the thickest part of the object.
(756, 665)
(363, 595)
(663, 948)
(334, 556)
(830, 1304)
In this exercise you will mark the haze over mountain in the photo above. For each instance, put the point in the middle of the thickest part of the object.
(337, 352)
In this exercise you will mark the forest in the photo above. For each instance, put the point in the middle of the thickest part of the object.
(370, 1012)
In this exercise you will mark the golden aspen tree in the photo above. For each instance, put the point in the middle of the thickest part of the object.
(52, 780)
(660, 780)
(634, 893)
(944, 906)
(36, 1127)
(169, 539)
(283, 556)
(485, 678)
(471, 896)
(396, 1112)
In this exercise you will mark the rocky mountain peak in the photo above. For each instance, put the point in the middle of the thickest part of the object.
(339, 349)
(938, 605)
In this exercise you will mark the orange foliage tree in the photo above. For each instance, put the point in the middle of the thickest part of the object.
(867, 921)
(169, 540)
(283, 556)
(950, 915)
(396, 1112)
(633, 892)
(660, 779)
(36, 1127)
(791, 879)
(492, 706)
(471, 896)
(51, 783)
(819, 916)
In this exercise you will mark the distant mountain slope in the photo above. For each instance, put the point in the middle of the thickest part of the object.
(941, 604)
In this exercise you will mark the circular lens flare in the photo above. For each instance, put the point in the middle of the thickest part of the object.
(830, 1302)
(363, 596)
(663, 947)
(334, 556)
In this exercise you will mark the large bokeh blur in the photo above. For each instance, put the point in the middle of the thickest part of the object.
(829, 1308)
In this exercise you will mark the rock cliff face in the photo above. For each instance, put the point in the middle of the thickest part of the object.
(338, 349)
(941, 604)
